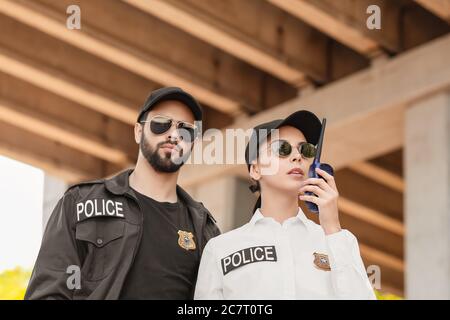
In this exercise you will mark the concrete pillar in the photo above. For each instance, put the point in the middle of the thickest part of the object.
(427, 198)
(228, 199)
(54, 189)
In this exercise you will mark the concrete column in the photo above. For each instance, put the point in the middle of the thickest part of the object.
(427, 198)
(228, 199)
(54, 189)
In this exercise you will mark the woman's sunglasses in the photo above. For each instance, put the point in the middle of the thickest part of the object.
(283, 148)
(162, 124)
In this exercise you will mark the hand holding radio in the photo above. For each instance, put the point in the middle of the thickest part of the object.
(320, 191)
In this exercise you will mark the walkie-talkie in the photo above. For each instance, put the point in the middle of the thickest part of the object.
(316, 164)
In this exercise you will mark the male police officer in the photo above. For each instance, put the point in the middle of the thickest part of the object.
(137, 235)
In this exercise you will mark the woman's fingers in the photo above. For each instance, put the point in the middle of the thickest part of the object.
(328, 178)
(314, 189)
(312, 199)
(317, 182)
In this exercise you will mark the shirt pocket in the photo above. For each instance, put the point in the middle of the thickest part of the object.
(102, 238)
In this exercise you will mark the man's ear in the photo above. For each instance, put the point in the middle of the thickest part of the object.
(255, 172)
(138, 132)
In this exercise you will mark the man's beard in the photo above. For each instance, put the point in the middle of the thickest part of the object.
(161, 163)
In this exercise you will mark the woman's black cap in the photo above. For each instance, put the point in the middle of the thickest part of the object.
(305, 121)
(171, 93)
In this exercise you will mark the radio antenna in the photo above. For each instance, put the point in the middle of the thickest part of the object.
(319, 144)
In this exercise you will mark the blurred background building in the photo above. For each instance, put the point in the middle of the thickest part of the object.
(69, 99)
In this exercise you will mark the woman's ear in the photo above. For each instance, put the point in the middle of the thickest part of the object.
(138, 132)
(255, 172)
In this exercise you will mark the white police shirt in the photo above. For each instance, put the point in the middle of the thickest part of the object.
(294, 260)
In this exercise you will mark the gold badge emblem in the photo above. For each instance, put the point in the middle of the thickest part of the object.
(321, 261)
(186, 240)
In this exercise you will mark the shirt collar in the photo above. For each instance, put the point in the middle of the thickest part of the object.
(257, 216)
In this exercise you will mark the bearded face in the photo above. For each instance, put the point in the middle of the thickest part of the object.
(166, 151)
(166, 156)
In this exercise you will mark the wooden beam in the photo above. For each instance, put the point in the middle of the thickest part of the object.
(371, 216)
(328, 23)
(373, 235)
(252, 88)
(419, 26)
(379, 174)
(66, 113)
(364, 111)
(441, 8)
(221, 35)
(60, 84)
(362, 189)
(392, 161)
(117, 52)
(277, 46)
(345, 21)
(382, 258)
(62, 133)
(54, 157)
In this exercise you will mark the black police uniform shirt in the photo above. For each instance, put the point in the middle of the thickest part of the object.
(167, 260)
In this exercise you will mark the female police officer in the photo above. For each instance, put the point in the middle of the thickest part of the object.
(281, 254)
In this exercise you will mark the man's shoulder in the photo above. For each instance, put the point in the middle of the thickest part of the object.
(67, 204)
(117, 183)
(84, 184)
(75, 189)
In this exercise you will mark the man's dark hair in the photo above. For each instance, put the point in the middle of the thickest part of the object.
(144, 116)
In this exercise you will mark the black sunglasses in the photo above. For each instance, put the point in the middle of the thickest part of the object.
(162, 124)
(283, 148)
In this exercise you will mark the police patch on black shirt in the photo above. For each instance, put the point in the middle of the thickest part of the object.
(248, 255)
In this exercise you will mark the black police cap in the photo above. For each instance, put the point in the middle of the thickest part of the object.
(305, 121)
(171, 93)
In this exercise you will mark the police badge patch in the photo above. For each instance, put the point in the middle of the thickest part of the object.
(321, 261)
(186, 240)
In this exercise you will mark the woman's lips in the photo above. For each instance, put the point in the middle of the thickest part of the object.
(296, 172)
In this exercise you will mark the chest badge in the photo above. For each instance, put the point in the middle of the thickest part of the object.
(186, 240)
(321, 261)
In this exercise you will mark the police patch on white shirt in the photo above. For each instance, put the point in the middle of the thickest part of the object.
(248, 255)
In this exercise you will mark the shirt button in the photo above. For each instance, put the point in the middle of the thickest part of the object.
(99, 241)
